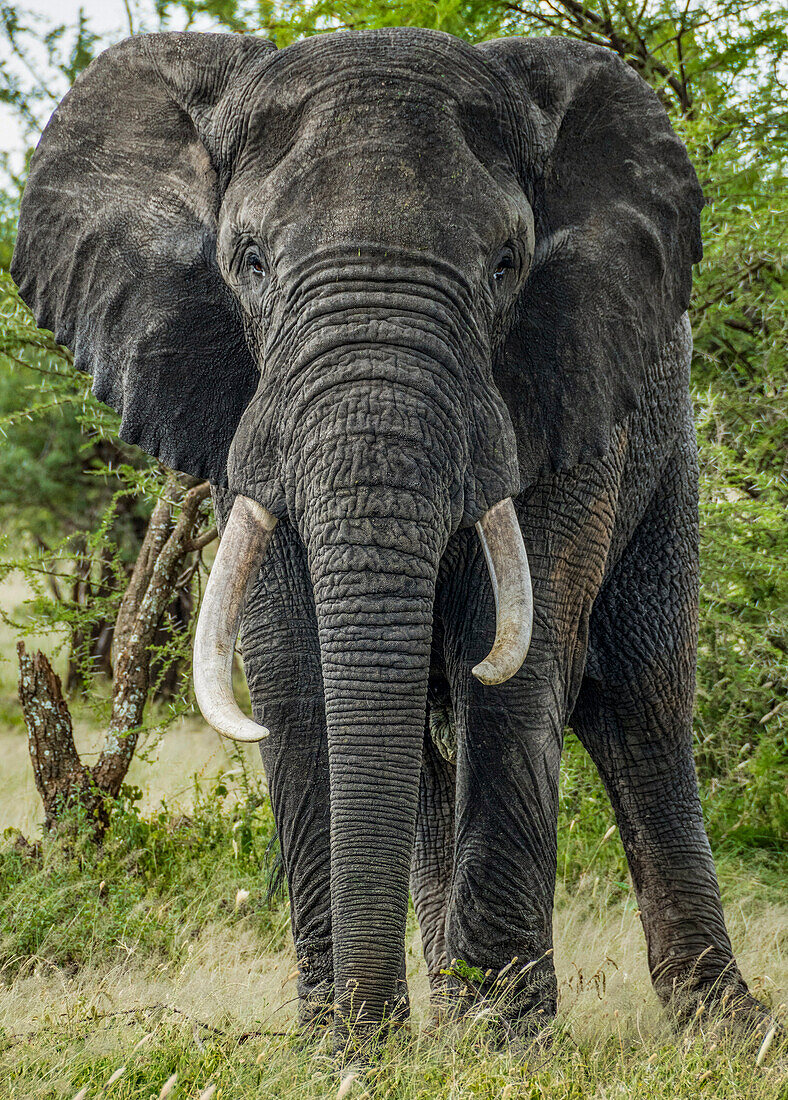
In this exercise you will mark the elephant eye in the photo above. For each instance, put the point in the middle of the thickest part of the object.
(504, 262)
(255, 264)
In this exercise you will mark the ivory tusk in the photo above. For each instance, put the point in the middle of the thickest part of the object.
(507, 564)
(241, 551)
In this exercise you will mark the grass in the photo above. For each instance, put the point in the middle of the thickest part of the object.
(193, 1018)
(161, 956)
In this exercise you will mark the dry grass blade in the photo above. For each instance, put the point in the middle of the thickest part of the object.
(116, 1076)
(346, 1084)
(208, 1093)
(81, 1095)
(168, 1086)
(768, 1039)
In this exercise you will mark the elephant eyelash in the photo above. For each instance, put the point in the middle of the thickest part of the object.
(248, 259)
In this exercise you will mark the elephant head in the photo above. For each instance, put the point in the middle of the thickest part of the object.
(377, 283)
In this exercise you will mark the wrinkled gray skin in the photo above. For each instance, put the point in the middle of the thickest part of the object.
(378, 282)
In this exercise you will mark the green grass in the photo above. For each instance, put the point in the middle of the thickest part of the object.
(165, 936)
(152, 885)
(156, 1045)
(147, 940)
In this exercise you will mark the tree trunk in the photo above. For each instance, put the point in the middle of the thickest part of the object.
(61, 778)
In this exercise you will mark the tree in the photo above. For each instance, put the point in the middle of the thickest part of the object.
(61, 778)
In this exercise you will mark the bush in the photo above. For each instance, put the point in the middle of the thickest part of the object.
(152, 887)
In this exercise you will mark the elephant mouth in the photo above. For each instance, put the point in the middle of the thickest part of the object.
(242, 549)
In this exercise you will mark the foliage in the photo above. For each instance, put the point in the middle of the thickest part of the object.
(78, 500)
(151, 888)
(740, 379)
(59, 441)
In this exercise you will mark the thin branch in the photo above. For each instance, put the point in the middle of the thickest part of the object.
(679, 44)
(637, 53)
(132, 666)
(203, 540)
(19, 53)
(127, 6)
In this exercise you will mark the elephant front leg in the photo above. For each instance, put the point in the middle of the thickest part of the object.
(500, 912)
(634, 716)
(509, 741)
(282, 662)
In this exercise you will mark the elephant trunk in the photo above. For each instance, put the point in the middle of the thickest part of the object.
(374, 543)
(376, 460)
(375, 659)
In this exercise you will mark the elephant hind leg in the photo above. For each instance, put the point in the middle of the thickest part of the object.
(634, 716)
(433, 859)
(650, 779)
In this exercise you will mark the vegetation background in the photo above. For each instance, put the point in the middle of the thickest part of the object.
(165, 934)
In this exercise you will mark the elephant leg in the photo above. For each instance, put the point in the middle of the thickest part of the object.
(500, 911)
(433, 860)
(510, 738)
(282, 663)
(634, 716)
(509, 741)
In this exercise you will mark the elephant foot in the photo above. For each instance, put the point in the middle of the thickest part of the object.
(513, 1009)
(316, 1012)
(730, 1015)
(441, 1012)
(713, 1000)
(315, 987)
(357, 1039)
(485, 1026)
(358, 1044)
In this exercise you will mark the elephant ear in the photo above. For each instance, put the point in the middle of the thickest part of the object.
(617, 218)
(116, 251)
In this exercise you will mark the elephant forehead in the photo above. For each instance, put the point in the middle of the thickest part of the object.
(393, 138)
(393, 169)
(398, 85)
(389, 171)
(448, 67)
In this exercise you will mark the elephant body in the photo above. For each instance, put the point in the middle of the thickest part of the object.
(613, 548)
(380, 284)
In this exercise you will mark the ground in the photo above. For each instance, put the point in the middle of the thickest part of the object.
(162, 991)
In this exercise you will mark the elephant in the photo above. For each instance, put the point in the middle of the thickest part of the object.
(417, 309)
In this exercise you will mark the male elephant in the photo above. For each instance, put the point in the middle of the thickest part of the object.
(408, 298)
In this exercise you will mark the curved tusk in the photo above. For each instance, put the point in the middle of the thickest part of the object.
(507, 563)
(241, 550)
